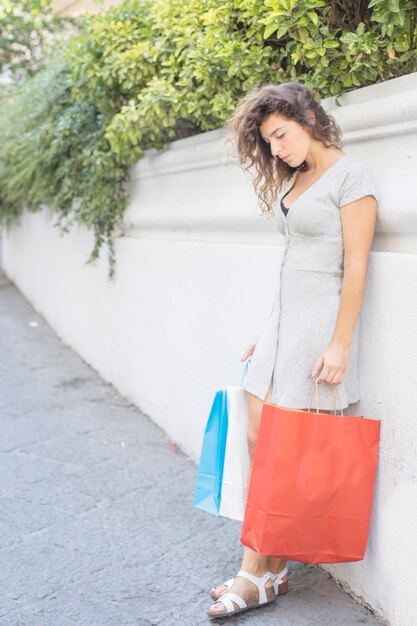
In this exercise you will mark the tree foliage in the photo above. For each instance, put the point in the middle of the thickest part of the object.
(28, 33)
(144, 73)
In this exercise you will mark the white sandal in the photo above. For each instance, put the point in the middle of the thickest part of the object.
(282, 586)
(229, 597)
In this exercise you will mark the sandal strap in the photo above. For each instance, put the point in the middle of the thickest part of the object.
(259, 582)
(277, 578)
(228, 583)
(228, 598)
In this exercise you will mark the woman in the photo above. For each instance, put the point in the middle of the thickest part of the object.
(328, 220)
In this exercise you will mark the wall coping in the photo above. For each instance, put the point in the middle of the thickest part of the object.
(379, 124)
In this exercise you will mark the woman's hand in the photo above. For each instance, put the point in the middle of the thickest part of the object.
(334, 362)
(249, 352)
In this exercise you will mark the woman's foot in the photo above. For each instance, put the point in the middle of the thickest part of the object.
(245, 590)
(216, 592)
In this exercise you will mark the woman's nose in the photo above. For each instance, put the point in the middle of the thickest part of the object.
(274, 150)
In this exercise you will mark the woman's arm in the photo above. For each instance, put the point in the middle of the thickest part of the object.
(358, 224)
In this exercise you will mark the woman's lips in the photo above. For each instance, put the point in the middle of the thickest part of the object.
(285, 158)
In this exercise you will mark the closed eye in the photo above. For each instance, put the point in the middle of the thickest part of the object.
(277, 136)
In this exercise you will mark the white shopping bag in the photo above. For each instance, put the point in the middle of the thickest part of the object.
(236, 460)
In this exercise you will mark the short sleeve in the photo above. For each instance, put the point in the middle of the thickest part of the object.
(358, 182)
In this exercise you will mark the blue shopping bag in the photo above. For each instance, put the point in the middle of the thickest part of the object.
(224, 461)
(210, 470)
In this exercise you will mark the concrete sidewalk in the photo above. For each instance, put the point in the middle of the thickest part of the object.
(97, 525)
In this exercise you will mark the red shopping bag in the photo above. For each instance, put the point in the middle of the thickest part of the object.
(311, 487)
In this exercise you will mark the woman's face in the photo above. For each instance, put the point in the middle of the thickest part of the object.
(286, 139)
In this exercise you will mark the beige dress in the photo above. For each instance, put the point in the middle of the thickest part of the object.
(303, 318)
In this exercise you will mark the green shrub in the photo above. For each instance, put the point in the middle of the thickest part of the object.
(28, 33)
(145, 73)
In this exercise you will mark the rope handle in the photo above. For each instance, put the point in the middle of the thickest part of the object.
(315, 389)
(335, 395)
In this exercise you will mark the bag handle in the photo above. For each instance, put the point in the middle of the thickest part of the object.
(315, 389)
(336, 395)
(248, 360)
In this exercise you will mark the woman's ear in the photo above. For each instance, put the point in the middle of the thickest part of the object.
(311, 117)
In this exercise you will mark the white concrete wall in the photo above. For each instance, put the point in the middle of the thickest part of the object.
(196, 272)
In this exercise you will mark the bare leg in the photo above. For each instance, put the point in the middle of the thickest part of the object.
(252, 562)
(251, 558)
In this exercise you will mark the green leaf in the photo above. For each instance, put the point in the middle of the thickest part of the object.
(400, 46)
(348, 37)
(282, 30)
(394, 5)
(313, 16)
(303, 34)
(269, 30)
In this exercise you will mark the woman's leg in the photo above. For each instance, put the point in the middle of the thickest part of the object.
(252, 562)
(251, 558)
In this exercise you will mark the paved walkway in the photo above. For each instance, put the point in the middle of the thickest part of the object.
(96, 519)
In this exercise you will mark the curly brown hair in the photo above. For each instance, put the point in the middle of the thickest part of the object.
(293, 101)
